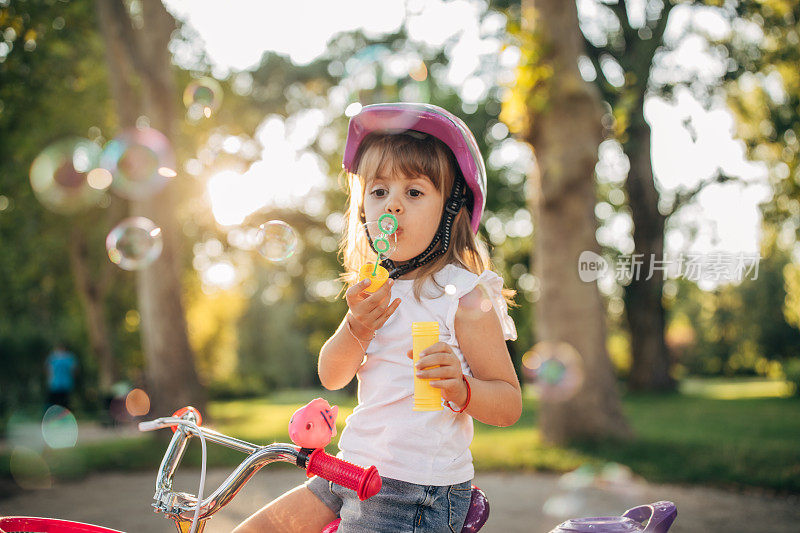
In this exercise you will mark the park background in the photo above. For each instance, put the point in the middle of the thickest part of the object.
(618, 128)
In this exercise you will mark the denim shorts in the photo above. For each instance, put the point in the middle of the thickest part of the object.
(398, 507)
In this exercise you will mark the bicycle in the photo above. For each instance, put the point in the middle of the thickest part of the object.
(191, 517)
(183, 508)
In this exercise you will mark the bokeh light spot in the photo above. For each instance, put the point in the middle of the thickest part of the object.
(353, 109)
(137, 402)
(167, 172)
(419, 73)
(99, 178)
(132, 320)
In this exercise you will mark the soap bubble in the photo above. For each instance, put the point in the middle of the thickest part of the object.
(134, 243)
(382, 233)
(388, 224)
(367, 58)
(594, 490)
(476, 303)
(564, 505)
(202, 97)
(60, 176)
(555, 369)
(59, 427)
(141, 161)
(24, 430)
(29, 469)
(276, 240)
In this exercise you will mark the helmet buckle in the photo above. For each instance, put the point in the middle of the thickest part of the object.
(454, 205)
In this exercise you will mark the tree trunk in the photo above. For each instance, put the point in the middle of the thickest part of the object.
(643, 305)
(565, 138)
(170, 372)
(92, 291)
(645, 312)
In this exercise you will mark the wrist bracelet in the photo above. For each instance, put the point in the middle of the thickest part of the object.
(469, 395)
(350, 329)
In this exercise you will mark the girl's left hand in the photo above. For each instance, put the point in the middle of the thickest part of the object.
(440, 364)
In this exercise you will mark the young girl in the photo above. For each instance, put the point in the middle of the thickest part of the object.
(421, 164)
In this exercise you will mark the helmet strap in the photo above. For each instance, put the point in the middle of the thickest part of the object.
(452, 206)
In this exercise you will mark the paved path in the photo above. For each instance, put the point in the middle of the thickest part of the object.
(122, 501)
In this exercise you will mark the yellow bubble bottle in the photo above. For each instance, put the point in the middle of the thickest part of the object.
(426, 397)
(378, 278)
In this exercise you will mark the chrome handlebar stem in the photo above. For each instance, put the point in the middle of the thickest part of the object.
(181, 506)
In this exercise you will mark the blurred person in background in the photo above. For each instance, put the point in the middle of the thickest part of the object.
(61, 368)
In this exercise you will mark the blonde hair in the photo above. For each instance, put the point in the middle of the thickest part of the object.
(409, 154)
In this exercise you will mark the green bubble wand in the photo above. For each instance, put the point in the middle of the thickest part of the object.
(381, 244)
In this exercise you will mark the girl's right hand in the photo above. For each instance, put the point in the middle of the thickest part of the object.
(369, 310)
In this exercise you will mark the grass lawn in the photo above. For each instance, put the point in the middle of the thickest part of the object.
(685, 438)
(747, 442)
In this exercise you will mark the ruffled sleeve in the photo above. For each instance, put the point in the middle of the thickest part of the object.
(492, 286)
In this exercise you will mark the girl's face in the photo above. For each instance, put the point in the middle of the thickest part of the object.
(415, 202)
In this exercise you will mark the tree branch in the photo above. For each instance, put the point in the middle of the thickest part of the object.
(120, 69)
(620, 9)
(645, 50)
(130, 40)
(684, 196)
(650, 46)
(608, 91)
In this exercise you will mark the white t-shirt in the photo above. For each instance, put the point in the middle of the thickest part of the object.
(426, 448)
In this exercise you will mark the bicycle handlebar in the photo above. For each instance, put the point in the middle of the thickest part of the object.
(366, 483)
(182, 506)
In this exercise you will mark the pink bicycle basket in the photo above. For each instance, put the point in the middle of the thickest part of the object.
(26, 524)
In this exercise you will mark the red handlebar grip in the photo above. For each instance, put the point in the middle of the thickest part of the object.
(366, 483)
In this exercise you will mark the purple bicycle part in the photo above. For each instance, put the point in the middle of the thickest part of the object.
(659, 517)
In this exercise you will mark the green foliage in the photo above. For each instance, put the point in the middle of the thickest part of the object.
(791, 305)
(530, 92)
(791, 369)
(767, 119)
(736, 329)
(52, 85)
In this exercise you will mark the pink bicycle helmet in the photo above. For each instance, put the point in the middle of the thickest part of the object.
(430, 119)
